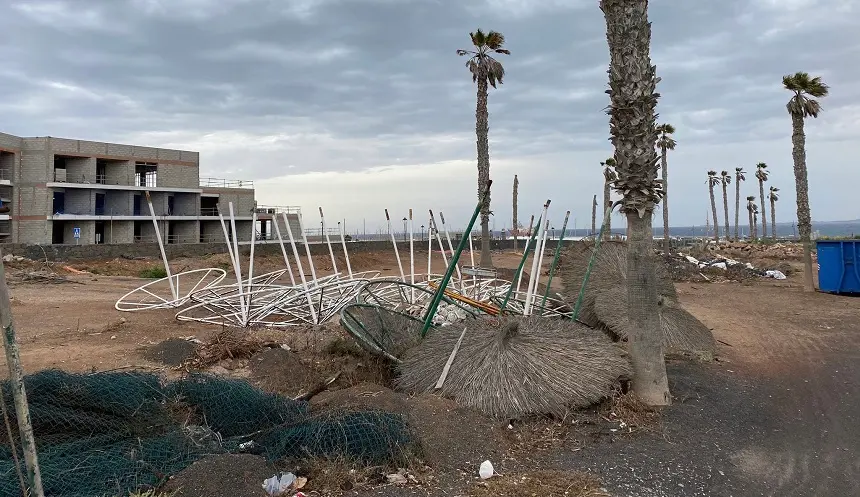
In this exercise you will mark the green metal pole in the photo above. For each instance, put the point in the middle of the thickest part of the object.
(555, 260)
(530, 245)
(437, 297)
(591, 264)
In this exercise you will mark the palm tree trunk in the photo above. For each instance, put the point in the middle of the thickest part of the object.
(763, 213)
(515, 221)
(482, 130)
(714, 211)
(594, 215)
(606, 202)
(726, 208)
(667, 244)
(772, 219)
(804, 218)
(737, 205)
(633, 98)
(752, 226)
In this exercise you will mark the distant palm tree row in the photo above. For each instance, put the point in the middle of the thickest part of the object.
(724, 179)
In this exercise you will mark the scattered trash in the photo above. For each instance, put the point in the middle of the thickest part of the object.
(279, 485)
(777, 275)
(486, 470)
(397, 478)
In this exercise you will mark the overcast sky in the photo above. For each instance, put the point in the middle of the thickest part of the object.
(361, 105)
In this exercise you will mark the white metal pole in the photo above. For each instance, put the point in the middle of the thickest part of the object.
(429, 246)
(412, 255)
(450, 245)
(299, 264)
(328, 242)
(161, 248)
(534, 284)
(394, 243)
(308, 250)
(438, 238)
(536, 262)
(238, 266)
(472, 256)
(251, 261)
(283, 250)
(19, 395)
(528, 239)
(345, 251)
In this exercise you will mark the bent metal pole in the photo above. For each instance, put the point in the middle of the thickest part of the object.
(328, 242)
(173, 290)
(437, 297)
(394, 243)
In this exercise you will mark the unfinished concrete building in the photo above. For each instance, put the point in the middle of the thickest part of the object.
(63, 191)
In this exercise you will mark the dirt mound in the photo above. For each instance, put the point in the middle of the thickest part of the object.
(452, 437)
(171, 352)
(224, 475)
(280, 371)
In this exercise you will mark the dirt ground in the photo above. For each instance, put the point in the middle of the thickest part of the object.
(774, 415)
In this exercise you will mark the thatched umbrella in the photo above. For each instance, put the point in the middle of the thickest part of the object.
(518, 366)
(681, 330)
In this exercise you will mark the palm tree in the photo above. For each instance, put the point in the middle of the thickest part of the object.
(485, 71)
(713, 180)
(773, 197)
(799, 107)
(740, 175)
(761, 175)
(609, 177)
(632, 126)
(755, 220)
(594, 215)
(665, 142)
(725, 179)
(750, 207)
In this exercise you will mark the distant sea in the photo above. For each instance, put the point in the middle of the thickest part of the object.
(783, 230)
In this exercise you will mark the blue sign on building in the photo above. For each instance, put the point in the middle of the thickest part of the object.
(77, 232)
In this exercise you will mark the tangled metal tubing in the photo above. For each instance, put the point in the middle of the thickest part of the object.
(202, 295)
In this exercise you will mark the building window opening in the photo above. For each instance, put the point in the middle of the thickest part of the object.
(145, 174)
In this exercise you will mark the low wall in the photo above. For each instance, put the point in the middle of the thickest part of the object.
(150, 250)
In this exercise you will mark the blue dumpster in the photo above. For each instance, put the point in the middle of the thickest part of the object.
(838, 262)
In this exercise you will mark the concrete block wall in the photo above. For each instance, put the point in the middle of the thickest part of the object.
(118, 232)
(159, 204)
(185, 232)
(34, 161)
(10, 142)
(79, 201)
(88, 232)
(178, 176)
(33, 231)
(8, 165)
(243, 200)
(294, 226)
(119, 172)
(119, 203)
(80, 170)
(186, 204)
(243, 231)
(212, 231)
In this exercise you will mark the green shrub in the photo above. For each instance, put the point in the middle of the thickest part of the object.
(154, 272)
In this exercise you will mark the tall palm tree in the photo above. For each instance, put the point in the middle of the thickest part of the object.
(740, 175)
(632, 126)
(725, 179)
(713, 180)
(773, 197)
(753, 226)
(761, 176)
(594, 215)
(802, 105)
(609, 177)
(485, 70)
(755, 220)
(665, 142)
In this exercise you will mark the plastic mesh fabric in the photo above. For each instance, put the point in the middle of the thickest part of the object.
(108, 434)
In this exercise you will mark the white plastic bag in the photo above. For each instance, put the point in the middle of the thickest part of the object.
(277, 486)
(486, 470)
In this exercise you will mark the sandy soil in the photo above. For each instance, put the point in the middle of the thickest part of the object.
(775, 415)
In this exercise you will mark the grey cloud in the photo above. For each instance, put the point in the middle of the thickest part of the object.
(347, 85)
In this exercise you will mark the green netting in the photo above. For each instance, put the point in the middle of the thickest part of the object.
(110, 433)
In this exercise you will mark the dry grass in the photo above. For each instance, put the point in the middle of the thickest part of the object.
(631, 414)
(516, 367)
(228, 343)
(541, 484)
(333, 476)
